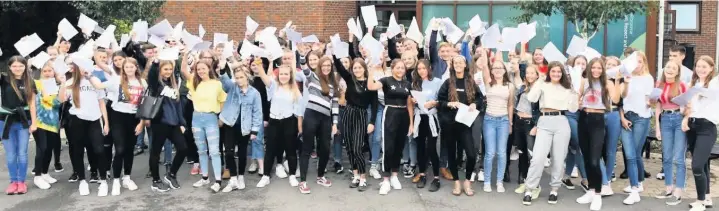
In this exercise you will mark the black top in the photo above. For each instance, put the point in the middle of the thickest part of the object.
(446, 114)
(10, 98)
(395, 92)
(357, 93)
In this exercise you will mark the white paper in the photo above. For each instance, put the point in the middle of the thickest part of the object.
(510, 38)
(414, 33)
(159, 42)
(341, 49)
(352, 26)
(310, 39)
(170, 54)
(220, 38)
(50, 86)
(687, 96)
(248, 49)
(421, 99)
(162, 29)
(229, 48)
(202, 46)
(393, 29)
(190, 40)
(454, 34)
(266, 34)
(0, 52)
(576, 75)
(67, 30)
(251, 25)
(576, 46)
(359, 28)
(293, 36)
(98, 29)
(631, 63)
(177, 31)
(476, 26)
(528, 31)
(124, 39)
(86, 50)
(60, 66)
(287, 25)
(106, 37)
(551, 53)
(273, 47)
(613, 72)
(28, 44)
(374, 47)
(40, 59)
(140, 29)
(369, 14)
(202, 31)
(590, 54)
(335, 38)
(85, 64)
(86, 24)
(492, 37)
(656, 93)
(465, 116)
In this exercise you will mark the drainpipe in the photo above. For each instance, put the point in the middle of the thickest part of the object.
(660, 35)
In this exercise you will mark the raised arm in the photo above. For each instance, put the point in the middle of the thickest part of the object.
(372, 84)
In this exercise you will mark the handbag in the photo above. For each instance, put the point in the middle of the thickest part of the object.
(149, 106)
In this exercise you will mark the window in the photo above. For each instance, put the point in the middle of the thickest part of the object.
(467, 12)
(688, 15)
(439, 11)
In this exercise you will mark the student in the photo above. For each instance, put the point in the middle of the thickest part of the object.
(635, 122)
(613, 127)
(669, 122)
(538, 59)
(426, 125)
(700, 127)
(575, 160)
(525, 129)
(376, 136)
(397, 121)
(18, 92)
(556, 97)
(47, 138)
(497, 122)
(677, 54)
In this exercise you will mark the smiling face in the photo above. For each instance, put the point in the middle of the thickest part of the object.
(597, 70)
(313, 61)
(166, 71)
(399, 69)
(129, 68)
(410, 61)
(17, 68)
(531, 74)
(358, 70)
(445, 52)
(202, 70)
(326, 67)
(284, 75)
(538, 57)
(498, 70)
(703, 69)
(580, 63)
(118, 60)
(345, 62)
(671, 70)
(422, 71)
(459, 63)
(555, 74)
(241, 78)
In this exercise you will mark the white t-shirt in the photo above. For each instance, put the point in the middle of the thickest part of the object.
(686, 75)
(89, 101)
(704, 105)
(639, 88)
(119, 102)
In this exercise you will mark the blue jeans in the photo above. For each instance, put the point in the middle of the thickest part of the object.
(574, 157)
(337, 141)
(16, 151)
(633, 142)
(141, 139)
(614, 130)
(496, 135)
(410, 152)
(376, 137)
(257, 149)
(207, 134)
(674, 147)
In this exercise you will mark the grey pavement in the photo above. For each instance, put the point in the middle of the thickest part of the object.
(280, 196)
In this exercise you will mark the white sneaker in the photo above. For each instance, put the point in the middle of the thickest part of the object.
(586, 198)
(384, 188)
(514, 155)
(607, 190)
(473, 177)
(698, 206)
(660, 176)
(215, 187)
(201, 183)
(293, 181)
(240, 182)
(280, 172)
(394, 181)
(231, 185)
(708, 202)
(253, 167)
(596, 203)
(128, 183)
(115, 187)
(88, 165)
(374, 172)
(286, 165)
(48, 179)
(297, 172)
(500, 188)
(84, 188)
(629, 189)
(263, 182)
(480, 176)
(575, 172)
(41, 183)
(547, 163)
(487, 188)
(632, 198)
(102, 190)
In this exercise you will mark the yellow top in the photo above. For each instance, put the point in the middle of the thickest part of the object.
(208, 97)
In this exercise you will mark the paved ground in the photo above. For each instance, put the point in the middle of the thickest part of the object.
(280, 196)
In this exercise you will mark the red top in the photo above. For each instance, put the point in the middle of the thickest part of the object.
(666, 99)
(543, 69)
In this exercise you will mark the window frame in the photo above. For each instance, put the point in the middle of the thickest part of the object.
(698, 5)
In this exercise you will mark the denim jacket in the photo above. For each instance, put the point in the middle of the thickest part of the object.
(246, 105)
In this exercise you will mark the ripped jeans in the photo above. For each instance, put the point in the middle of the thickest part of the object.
(207, 135)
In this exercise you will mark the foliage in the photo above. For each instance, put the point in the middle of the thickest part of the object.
(588, 16)
(123, 27)
(107, 12)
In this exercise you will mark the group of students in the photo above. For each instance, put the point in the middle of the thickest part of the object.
(402, 110)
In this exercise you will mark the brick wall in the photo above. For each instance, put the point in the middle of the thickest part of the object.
(705, 41)
(321, 18)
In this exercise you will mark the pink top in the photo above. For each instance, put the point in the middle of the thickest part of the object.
(665, 99)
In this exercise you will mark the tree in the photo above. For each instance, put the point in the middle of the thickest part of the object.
(587, 16)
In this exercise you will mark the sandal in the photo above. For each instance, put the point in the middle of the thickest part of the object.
(457, 190)
(468, 189)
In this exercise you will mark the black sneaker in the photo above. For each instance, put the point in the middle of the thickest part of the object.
(568, 184)
(584, 187)
(552, 198)
(527, 200)
(144, 146)
(422, 181)
(362, 186)
(58, 167)
(160, 186)
(73, 178)
(94, 178)
(33, 171)
(355, 183)
(149, 174)
(506, 177)
(434, 186)
(409, 172)
(624, 175)
(171, 181)
(338, 168)
(614, 177)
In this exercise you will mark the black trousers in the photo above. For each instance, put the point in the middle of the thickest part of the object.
(354, 131)
(319, 126)
(591, 133)
(233, 139)
(45, 143)
(701, 136)
(280, 137)
(160, 133)
(87, 134)
(456, 137)
(107, 140)
(524, 142)
(395, 126)
(427, 145)
(192, 154)
(122, 130)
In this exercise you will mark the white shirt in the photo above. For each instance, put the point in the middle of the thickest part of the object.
(120, 103)
(282, 104)
(636, 100)
(686, 75)
(704, 105)
(89, 101)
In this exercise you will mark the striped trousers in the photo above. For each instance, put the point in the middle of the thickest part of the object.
(354, 130)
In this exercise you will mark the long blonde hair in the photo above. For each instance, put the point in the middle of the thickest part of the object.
(674, 89)
(292, 82)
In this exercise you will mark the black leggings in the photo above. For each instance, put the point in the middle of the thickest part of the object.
(123, 134)
(280, 137)
(160, 133)
(233, 139)
(354, 132)
(524, 141)
(427, 145)
(45, 143)
(319, 126)
(592, 132)
(192, 154)
(701, 135)
(88, 134)
(456, 137)
(394, 133)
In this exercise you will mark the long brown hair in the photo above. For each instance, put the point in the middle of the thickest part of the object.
(26, 79)
(468, 84)
(173, 81)
(505, 76)
(77, 76)
(695, 77)
(527, 84)
(416, 79)
(124, 81)
(196, 78)
(327, 80)
(564, 81)
(602, 80)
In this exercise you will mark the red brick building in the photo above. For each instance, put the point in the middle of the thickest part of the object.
(704, 35)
